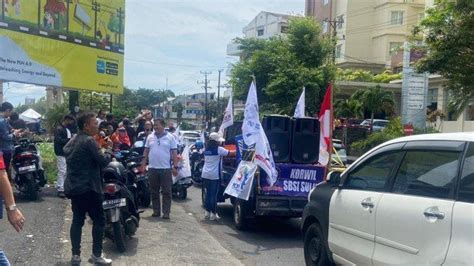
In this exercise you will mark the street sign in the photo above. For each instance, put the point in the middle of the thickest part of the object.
(416, 91)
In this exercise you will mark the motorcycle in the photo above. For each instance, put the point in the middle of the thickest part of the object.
(196, 160)
(131, 160)
(29, 176)
(180, 187)
(121, 210)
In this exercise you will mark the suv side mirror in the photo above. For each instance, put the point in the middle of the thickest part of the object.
(334, 178)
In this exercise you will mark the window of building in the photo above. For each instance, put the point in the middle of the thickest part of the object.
(397, 18)
(325, 2)
(394, 47)
(260, 32)
(340, 21)
(427, 174)
(338, 51)
(284, 29)
(433, 99)
(325, 26)
(449, 114)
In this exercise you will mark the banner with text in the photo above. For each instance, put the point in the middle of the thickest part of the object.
(293, 180)
(71, 44)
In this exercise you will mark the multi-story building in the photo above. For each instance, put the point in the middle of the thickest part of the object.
(367, 31)
(265, 25)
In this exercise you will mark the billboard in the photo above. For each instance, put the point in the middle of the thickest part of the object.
(76, 44)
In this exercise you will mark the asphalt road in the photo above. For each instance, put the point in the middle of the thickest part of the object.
(42, 238)
(266, 242)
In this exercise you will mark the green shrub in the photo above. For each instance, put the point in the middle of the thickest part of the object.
(49, 161)
(393, 130)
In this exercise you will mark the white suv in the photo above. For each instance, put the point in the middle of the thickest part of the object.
(409, 201)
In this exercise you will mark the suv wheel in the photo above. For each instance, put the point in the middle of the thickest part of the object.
(315, 252)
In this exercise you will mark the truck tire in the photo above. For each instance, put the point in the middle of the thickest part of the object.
(119, 236)
(315, 252)
(240, 214)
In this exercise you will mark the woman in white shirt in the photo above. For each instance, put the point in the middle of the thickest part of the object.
(211, 173)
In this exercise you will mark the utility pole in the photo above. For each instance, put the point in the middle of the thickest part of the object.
(206, 83)
(96, 9)
(219, 91)
(120, 15)
(39, 14)
(67, 15)
(334, 24)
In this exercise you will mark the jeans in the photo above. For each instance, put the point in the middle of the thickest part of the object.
(3, 259)
(160, 180)
(91, 203)
(212, 188)
(61, 164)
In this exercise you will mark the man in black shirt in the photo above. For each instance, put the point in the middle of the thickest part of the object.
(62, 135)
(83, 186)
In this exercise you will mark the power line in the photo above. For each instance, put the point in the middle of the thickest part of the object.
(169, 64)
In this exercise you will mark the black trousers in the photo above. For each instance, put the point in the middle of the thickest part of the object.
(90, 203)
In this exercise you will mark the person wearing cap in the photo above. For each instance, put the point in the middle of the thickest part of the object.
(212, 173)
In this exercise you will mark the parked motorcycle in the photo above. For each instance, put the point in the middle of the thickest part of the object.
(121, 210)
(29, 177)
(180, 187)
(196, 161)
(131, 160)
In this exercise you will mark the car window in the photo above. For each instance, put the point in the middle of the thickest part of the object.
(374, 173)
(466, 186)
(427, 173)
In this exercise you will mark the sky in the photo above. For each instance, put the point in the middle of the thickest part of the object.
(169, 42)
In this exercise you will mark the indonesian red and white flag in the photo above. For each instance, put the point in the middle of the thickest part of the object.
(325, 121)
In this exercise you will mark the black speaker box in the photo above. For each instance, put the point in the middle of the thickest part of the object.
(305, 140)
(278, 131)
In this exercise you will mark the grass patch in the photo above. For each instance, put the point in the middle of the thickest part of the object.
(49, 161)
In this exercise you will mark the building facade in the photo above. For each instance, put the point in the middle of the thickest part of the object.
(367, 31)
(264, 26)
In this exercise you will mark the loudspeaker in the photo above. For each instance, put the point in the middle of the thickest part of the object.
(278, 131)
(233, 131)
(305, 140)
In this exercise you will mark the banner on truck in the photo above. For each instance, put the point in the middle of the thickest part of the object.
(62, 44)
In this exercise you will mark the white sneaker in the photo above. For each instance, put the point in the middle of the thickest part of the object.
(207, 214)
(214, 217)
(100, 260)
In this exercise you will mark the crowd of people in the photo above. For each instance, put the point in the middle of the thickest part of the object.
(83, 144)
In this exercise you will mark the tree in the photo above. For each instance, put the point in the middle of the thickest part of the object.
(178, 108)
(282, 66)
(94, 101)
(449, 37)
(349, 108)
(376, 100)
(131, 102)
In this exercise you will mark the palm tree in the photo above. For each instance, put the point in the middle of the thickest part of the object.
(349, 108)
(376, 100)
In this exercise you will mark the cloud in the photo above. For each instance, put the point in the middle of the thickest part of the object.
(181, 38)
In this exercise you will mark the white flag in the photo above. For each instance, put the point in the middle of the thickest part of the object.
(184, 168)
(228, 119)
(253, 134)
(300, 106)
(240, 185)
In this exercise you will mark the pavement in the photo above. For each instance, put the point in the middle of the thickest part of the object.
(178, 241)
(41, 241)
(186, 239)
(267, 241)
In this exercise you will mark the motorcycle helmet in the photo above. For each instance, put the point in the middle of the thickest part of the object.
(198, 144)
(114, 171)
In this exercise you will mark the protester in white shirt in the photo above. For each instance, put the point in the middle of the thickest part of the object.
(212, 173)
(160, 149)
